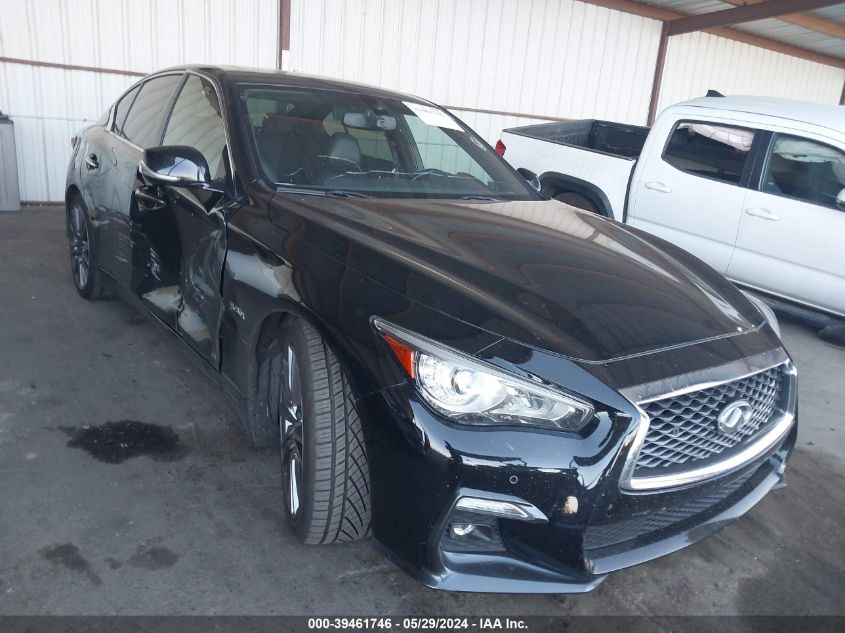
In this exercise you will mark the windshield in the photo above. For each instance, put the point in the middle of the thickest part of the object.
(353, 145)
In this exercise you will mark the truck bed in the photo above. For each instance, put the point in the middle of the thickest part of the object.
(616, 139)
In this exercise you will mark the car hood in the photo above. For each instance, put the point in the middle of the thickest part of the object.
(538, 272)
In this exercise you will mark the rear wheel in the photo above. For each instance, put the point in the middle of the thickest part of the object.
(83, 258)
(576, 200)
(325, 479)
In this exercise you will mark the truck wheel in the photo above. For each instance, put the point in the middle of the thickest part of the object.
(325, 478)
(83, 256)
(576, 200)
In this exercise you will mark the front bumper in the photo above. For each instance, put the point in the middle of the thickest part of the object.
(420, 467)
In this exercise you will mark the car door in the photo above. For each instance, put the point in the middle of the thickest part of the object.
(692, 193)
(136, 125)
(186, 227)
(789, 240)
(107, 183)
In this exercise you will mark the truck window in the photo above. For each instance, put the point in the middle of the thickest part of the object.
(711, 151)
(804, 169)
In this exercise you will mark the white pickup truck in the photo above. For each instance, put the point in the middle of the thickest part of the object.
(753, 186)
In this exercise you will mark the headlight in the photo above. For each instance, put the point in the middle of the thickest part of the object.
(765, 310)
(470, 391)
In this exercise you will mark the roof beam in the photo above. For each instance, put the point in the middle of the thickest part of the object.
(776, 46)
(646, 11)
(805, 20)
(657, 82)
(745, 13)
(283, 38)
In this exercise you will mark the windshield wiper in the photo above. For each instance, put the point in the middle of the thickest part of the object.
(481, 197)
(344, 193)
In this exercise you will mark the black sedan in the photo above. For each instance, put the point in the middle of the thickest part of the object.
(513, 394)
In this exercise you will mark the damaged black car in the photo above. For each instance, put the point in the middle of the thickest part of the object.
(512, 394)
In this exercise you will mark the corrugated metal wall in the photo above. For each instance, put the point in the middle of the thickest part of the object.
(48, 105)
(556, 58)
(698, 61)
(525, 59)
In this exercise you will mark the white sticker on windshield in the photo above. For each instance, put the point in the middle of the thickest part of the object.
(433, 116)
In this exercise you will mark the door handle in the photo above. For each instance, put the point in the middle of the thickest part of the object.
(658, 186)
(91, 162)
(765, 214)
(148, 202)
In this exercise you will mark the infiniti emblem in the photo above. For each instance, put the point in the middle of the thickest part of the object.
(733, 416)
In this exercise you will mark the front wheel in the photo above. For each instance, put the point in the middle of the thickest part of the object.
(576, 200)
(325, 478)
(83, 257)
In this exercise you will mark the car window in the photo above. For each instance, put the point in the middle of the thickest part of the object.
(196, 121)
(439, 151)
(374, 145)
(361, 145)
(122, 109)
(143, 124)
(711, 151)
(804, 169)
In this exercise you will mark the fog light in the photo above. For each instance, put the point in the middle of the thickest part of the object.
(462, 529)
(466, 532)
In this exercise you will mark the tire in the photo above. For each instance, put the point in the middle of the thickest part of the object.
(83, 256)
(576, 200)
(325, 479)
(834, 334)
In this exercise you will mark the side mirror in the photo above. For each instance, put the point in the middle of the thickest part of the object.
(840, 200)
(176, 166)
(531, 177)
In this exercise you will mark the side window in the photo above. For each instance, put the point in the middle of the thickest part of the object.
(196, 121)
(122, 109)
(711, 151)
(143, 124)
(804, 169)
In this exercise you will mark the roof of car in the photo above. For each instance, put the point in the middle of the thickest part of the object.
(238, 74)
(821, 114)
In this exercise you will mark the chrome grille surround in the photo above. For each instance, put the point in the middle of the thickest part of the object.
(683, 428)
(745, 447)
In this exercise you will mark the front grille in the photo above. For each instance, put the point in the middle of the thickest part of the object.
(683, 430)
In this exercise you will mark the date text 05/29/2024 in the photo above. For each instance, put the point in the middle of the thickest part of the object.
(417, 623)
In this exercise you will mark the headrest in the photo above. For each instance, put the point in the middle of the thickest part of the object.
(345, 147)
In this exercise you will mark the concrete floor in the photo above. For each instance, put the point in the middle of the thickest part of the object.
(195, 526)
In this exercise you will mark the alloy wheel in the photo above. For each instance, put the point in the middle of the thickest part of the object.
(291, 429)
(80, 246)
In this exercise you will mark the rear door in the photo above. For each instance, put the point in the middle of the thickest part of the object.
(106, 170)
(137, 124)
(790, 237)
(691, 193)
(186, 227)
